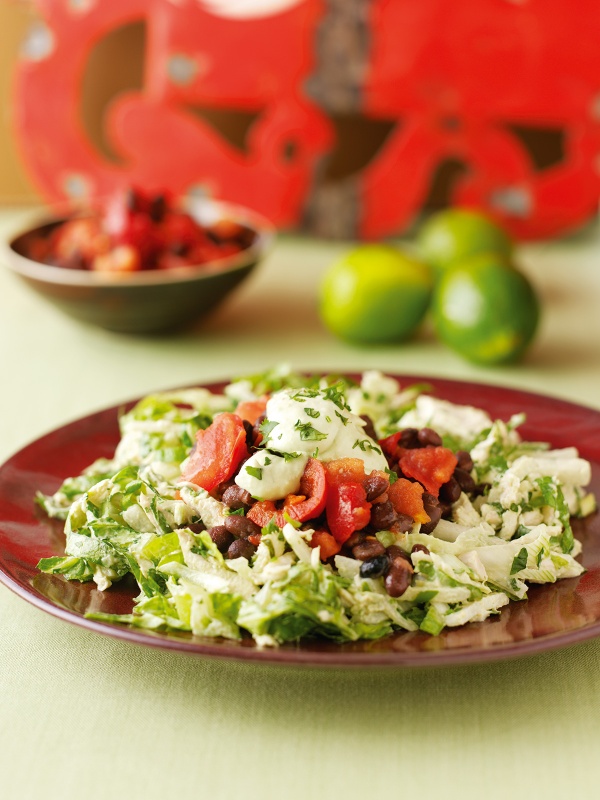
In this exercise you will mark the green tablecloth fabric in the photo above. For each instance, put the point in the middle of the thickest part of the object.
(82, 715)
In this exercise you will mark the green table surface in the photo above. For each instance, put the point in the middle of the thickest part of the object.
(84, 715)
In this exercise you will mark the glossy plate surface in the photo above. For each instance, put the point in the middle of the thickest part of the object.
(554, 615)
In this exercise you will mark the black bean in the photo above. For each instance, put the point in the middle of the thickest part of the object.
(450, 491)
(195, 527)
(429, 501)
(464, 460)
(398, 577)
(375, 485)
(249, 428)
(433, 511)
(369, 428)
(370, 548)
(355, 538)
(403, 523)
(420, 548)
(222, 488)
(374, 567)
(383, 515)
(409, 438)
(394, 552)
(464, 478)
(429, 438)
(241, 527)
(241, 548)
(235, 498)
(257, 433)
(221, 537)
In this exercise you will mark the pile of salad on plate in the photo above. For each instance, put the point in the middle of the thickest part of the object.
(293, 506)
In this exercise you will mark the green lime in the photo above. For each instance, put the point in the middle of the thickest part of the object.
(375, 293)
(485, 309)
(456, 233)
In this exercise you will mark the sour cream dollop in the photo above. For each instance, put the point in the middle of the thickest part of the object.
(300, 424)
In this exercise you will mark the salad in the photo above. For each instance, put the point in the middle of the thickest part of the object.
(292, 506)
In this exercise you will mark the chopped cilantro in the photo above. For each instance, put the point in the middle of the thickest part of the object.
(266, 427)
(229, 512)
(522, 530)
(312, 412)
(551, 495)
(393, 475)
(290, 456)
(336, 395)
(366, 444)
(519, 561)
(304, 394)
(256, 472)
(308, 433)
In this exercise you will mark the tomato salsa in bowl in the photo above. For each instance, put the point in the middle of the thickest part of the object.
(139, 263)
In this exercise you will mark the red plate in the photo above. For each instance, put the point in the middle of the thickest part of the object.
(554, 615)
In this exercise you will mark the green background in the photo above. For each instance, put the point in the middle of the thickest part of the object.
(83, 715)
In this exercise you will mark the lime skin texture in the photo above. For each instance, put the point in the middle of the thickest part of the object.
(485, 309)
(375, 293)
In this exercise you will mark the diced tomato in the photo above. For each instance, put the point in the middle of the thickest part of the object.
(219, 450)
(431, 466)
(313, 486)
(300, 507)
(263, 512)
(407, 498)
(251, 410)
(347, 509)
(345, 470)
(389, 445)
(255, 539)
(329, 546)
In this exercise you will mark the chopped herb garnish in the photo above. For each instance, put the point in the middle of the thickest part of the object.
(256, 472)
(336, 395)
(308, 433)
(519, 561)
(267, 461)
(344, 419)
(266, 427)
(366, 444)
(290, 456)
(304, 394)
(312, 412)
(393, 475)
